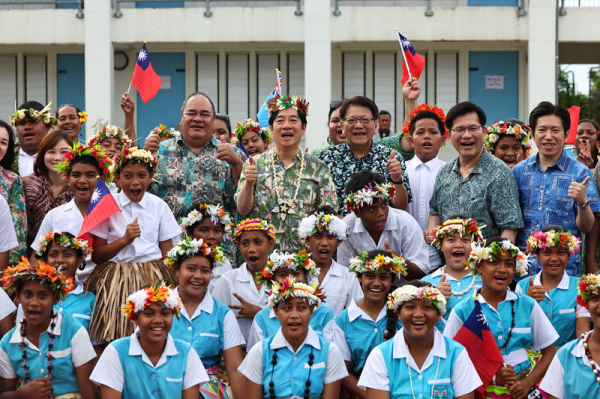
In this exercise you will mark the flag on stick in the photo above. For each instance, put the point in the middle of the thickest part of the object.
(263, 115)
(574, 112)
(102, 206)
(144, 79)
(413, 63)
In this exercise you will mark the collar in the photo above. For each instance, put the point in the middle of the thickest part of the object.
(17, 338)
(207, 305)
(561, 164)
(213, 140)
(311, 339)
(124, 200)
(70, 205)
(276, 156)
(563, 285)
(346, 148)
(135, 349)
(510, 296)
(78, 288)
(579, 350)
(336, 269)
(478, 166)
(416, 161)
(438, 273)
(244, 274)
(390, 224)
(400, 351)
(24, 154)
(354, 311)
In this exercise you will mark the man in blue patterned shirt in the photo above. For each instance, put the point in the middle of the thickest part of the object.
(553, 187)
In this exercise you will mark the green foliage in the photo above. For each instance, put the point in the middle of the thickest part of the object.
(590, 104)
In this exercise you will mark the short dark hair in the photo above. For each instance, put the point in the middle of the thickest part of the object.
(8, 159)
(593, 122)
(31, 104)
(48, 142)
(87, 159)
(333, 105)
(547, 108)
(301, 115)
(426, 115)
(360, 101)
(359, 180)
(132, 161)
(384, 112)
(557, 228)
(464, 108)
(77, 110)
(224, 118)
(198, 93)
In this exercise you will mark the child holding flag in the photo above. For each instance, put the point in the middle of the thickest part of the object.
(129, 245)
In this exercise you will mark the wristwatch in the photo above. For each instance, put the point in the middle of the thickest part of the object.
(585, 204)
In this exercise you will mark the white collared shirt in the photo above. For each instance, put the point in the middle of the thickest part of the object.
(401, 230)
(341, 287)
(8, 236)
(26, 162)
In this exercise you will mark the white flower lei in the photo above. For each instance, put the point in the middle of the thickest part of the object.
(330, 223)
(300, 290)
(480, 253)
(195, 216)
(409, 293)
(286, 206)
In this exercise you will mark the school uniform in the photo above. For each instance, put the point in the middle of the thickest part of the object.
(341, 287)
(8, 235)
(78, 304)
(559, 305)
(71, 348)
(7, 307)
(532, 329)
(291, 371)
(570, 375)
(125, 367)
(447, 370)
(217, 272)
(241, 282)
(266, 324)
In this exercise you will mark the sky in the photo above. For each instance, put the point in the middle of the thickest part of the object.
(581, 72)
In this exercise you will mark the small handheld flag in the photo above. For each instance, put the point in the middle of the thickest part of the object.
(102, 206)
(144, 79)
(263, 115)
(574, 112)
(413, 63)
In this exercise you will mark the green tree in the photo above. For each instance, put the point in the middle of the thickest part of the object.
(567, 96)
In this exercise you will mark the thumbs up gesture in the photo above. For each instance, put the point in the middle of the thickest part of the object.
(577, 191)
(536, 292)
(445, 287)
(389, 249)
(152, 142)
(251, 172)
(132, 231)
(225, 152)
(393, 166)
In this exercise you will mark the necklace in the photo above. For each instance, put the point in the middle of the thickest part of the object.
(410, 374)
(48, 355)
(589, 356)
(461, 293)
(311, 359)
(512, 323)
(288, 205)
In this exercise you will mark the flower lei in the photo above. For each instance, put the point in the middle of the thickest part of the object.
(189, 247)
(281, 103)
(362, 264)
(250, 126)
(288, 205)
(322, 223)
(588, 285)
(164, 132)
(109, 131)
(34, 115)
(411, 293)
(460, 226)
(83, 116)
(287, 260)
(542, 240)
(137, 154)
(384, 192)
(426, 107)
(480, 253)
(63, 241)
(498, 129)
(289, 289)
(47, 276)
(216, 213)
(103, 160)
(253, 224)
(158, 293)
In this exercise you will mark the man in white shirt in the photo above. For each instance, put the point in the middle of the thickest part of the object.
(8, 237)
(31, 130)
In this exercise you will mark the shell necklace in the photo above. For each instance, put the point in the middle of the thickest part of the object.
(286, 206)
(463, 292)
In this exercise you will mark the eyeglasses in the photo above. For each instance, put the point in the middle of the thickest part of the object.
(471, 129)
(354, 121)
(335, 104)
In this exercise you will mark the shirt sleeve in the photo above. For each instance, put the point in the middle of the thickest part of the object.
(252, 366)
(256, 334)
(344, 253)
(329, 330)
(582, 312)
(553, 382)
(375, 373)
(82, 349)
(504, 204)
(405, 179)
(7, 306)
(101, 229)
(591, 191)
(108, 370)
(414, 248)
(6, 367)
(453, 324)
(232, 336)
(336, 368)
(434, 201)
(327, 188)
(195, 374)
(45, 228)
(339, 339)
(542, 331)
(8, 236)
(222, 292)
(464, 376)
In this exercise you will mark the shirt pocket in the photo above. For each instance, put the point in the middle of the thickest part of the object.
(566, 311)
(169, 379)
(62, 359)
(521, 330)
(209, 335)
(320, 365)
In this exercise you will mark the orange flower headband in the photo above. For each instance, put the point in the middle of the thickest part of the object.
(422, 108)
(157, 293)
(42, 272)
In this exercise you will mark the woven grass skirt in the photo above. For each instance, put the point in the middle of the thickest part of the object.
(113, 283)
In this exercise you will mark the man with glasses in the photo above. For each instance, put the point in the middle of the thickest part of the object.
(359, 152)
(554, 188)
(476, 184)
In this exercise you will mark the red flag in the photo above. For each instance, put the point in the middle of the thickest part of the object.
(102, 206)
(413, 63)
(574, 113)
(476, 337)
(144, 79)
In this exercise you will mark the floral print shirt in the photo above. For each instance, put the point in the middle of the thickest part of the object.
(392, 142)
(316, 190)
(11, 188)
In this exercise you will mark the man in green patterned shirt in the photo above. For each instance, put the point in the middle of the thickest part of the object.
(283, 185)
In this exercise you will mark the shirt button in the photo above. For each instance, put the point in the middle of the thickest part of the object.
(499, 336)
(190, 328)
(459, 296)
(499, 323)
(42, 371)
(458, 283)
(292, 380)
(420, 377)
(295, 358)
(40, 354)
(154, 375)
(155, 392)
(60, 309)
(376, 330)
(420, 395)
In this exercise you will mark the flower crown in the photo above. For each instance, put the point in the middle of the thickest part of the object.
(33, 114)
(411, 293)
(426, 107)
(480, 253)
(168, 133)
(322, 223)
(588, 285)
(281, 103)
(253, 224)
(362, 264)
(158, 293)
(109, 131)
(542, 240)
(216, 213)
(460, 226)
(289, 289)
(103, 160)
(64, 241)
(384, 192)
(189, 247)
(83, 116)
(292, 261)
(250, 126)
(47, 276)
(501, 128)
(136, 154)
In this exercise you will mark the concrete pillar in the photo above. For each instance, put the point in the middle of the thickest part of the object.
(99, 79)
(542, 53)
(317, 69)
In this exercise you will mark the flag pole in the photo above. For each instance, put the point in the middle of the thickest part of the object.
(403, 56)
(129, 88)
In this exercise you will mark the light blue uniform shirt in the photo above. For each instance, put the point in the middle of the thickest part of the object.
(78, 304)
(559, 306)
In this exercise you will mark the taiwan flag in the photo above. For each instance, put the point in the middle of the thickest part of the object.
(144, 79)
(476, 337)
(263, 113)
(413, 63)
(574, 112)
(102, 206)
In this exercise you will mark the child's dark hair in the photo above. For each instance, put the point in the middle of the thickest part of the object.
(426, 115)
(133, 161)
(86, 159)
(189, 230)
(392, 315)
(327, 210)
(372, 254)
(359, 180)
(177, 265)
(557, 228)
